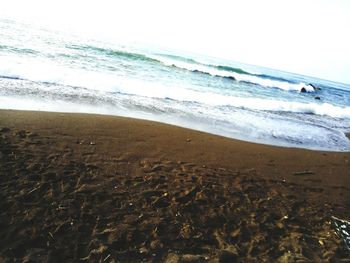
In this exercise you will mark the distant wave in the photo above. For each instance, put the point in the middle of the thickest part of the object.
(219, 67)
(112, 52)
(232, 69)
(189, 60)
(18, 50)
(193, 61)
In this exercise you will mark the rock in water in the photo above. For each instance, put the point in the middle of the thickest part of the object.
(231, 77)
(309, 88)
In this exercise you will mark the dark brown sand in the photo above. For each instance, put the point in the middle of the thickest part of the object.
(94, 188)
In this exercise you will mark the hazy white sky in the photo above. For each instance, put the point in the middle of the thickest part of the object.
(310, 37)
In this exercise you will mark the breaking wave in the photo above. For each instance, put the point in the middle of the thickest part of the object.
(233, 73)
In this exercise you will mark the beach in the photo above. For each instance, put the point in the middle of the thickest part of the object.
(58, 72)
(94, 188)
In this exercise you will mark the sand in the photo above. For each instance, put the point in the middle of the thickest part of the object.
(94, 188)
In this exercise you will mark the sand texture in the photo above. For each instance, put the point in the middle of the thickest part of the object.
(89, 188)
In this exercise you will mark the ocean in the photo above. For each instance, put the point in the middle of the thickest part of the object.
(52, 71)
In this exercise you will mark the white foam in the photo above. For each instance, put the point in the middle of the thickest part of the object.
(157, 90)
(46, 71)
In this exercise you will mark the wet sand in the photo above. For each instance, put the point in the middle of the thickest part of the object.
(93, 188)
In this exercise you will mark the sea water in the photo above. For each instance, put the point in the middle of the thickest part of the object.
(51, 71)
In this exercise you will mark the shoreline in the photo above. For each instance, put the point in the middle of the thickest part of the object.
(95, 166)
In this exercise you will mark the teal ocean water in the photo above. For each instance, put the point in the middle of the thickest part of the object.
(51, 71)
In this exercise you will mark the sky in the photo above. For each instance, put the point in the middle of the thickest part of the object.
(309, 37)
